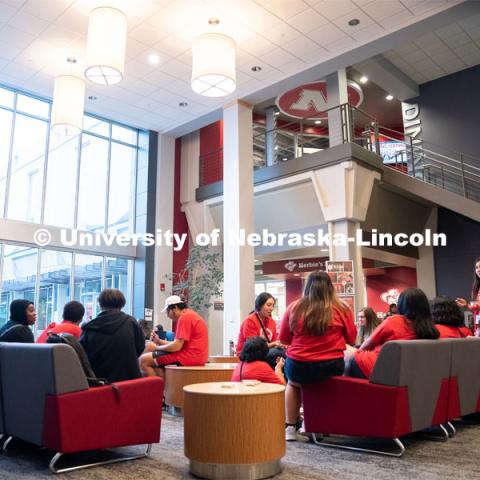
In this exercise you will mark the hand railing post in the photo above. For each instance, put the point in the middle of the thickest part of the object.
(377, 138)
(462, 166)
(412, 155)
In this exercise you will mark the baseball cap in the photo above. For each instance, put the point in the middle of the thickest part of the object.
(172, 300)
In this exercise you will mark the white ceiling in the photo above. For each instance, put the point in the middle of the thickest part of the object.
(284, 37)
(441, 52)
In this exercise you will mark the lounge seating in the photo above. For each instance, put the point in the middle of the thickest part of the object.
(47, 402)
(407, 392)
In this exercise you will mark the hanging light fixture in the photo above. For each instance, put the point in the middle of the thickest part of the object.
(106, 41)
(213, 64)
(68, 103)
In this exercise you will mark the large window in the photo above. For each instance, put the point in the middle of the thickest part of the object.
(46, 276)
(85, 182)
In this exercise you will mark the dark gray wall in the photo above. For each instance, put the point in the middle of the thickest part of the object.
(454, 264)
(450, 112)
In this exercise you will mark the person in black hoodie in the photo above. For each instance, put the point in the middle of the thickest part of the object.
(17, 329)
(113, 341)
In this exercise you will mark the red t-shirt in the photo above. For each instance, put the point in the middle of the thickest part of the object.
(317, 348)
(191, 328)
(395, 327)
(257, 370)
(251, 328)
(447, 331)
(64, 327)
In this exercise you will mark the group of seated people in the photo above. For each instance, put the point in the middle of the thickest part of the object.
(317, 338)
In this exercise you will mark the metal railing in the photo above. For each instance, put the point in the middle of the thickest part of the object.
(433, 164)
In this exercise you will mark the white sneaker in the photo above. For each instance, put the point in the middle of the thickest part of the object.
(291, 435)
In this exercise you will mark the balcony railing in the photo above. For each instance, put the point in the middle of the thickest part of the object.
(452, 171)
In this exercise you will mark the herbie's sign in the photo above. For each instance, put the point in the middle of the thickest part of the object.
(310, 100)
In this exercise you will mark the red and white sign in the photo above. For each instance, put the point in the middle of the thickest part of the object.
(310, 100)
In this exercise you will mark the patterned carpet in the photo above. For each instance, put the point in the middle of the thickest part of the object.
(423, 460)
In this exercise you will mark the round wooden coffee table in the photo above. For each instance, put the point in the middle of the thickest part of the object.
(223, 359)
(233, 430)
(177, 377)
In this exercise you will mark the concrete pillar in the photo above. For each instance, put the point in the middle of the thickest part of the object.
(337, 94)
(343, 191)
(271, 136)
(164, 222)
(239, 271)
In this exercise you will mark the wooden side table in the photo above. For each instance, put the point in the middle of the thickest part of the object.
(234, 431)
(177, 377)
(223, 359)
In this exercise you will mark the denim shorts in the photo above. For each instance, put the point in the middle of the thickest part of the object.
(312, 372)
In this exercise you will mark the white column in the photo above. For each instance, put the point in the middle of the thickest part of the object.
(239, 283)
(164, 221)
(337, 94)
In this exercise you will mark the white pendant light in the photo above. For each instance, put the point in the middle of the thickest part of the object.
(213, 65)
(107, 36)
(68, 102)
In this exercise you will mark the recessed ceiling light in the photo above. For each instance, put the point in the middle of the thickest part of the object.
(92, 97)
(256, 68)
(183, 104)
(276, 147)
(389, 97)
(354, 22)
(317, 122)
(284, 159)
(363, 79)
(153, 58)
(276, 113)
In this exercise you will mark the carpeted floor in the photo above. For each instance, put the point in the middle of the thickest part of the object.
(424, 460)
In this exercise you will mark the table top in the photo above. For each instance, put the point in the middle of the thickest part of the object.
(247, 387)
(207, 366)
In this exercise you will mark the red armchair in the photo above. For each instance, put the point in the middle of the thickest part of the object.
(47, 401)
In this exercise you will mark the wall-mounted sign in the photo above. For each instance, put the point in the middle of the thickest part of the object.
(341, 274)
(218, 306)
(294, 266)
(412, 123)
(310, 100)
(390, 296)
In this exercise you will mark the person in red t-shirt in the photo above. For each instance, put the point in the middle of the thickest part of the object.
(317, 329)
(474, 305)
(253, 365)
(190, 346)
(448, 318)
(73, 313)
(413, 321)
(260, 323)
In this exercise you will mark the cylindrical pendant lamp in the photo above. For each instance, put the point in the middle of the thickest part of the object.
(68, 103)
(213, 65)
(106, 42)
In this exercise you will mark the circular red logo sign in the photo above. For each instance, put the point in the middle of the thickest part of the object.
(310, 100)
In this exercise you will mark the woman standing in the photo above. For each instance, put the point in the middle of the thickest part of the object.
(367, 323)
(317, 328)
(261, 324)
(414, 321)
(474, 305)
(17, 329)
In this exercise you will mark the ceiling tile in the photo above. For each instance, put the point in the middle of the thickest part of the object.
(470, 22)
(307, 21)
(427, 6)
(257, 46)
(327, 34)
(22, 39)
(415, 57)
(173, 45)
(147, 34)
(457, 40)
(28, 23)
(333, 9)
(278, 57)
(341, 45)
(342, 22)
(427, 39)
(281, 34)
(449, 30)
(284, 9)
(398, 20)
(47, 10)
(382, 9)
(18, 71)
(368, 33)
(6, 12)
(302, 47)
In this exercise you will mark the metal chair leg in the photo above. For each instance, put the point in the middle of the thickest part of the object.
(397, 441)
(452, 428)
(53, 462)
(5, 444)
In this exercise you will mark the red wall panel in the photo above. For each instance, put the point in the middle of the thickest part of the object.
(211, 153)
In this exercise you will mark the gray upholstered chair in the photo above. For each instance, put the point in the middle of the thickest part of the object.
(47, 402)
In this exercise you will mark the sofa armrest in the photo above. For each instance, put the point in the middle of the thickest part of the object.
(351, 406)
(127, 413)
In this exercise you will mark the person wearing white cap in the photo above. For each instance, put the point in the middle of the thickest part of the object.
(190, 346)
